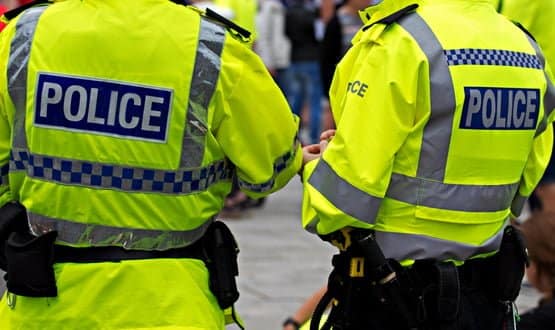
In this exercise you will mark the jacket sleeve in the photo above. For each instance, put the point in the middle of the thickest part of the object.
(373, 98)
(541, 152)
(256, 128)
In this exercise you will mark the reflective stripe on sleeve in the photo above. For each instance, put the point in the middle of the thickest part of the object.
(124, 178)
(279, 165)
(205, 78)
(469, 198)
(81, 234)
(415, 247)
(17, 69)
(346, 197)
(549, 97)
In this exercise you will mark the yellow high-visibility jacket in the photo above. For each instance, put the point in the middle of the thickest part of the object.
(122, 124)
(244, 12)
(537, 17)
(442, 112)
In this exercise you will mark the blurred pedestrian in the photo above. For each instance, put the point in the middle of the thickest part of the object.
(303, 84)
(539, 231)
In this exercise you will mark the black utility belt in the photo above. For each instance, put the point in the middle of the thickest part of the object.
(116, 254)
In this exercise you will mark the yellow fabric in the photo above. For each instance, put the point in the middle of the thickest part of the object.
(147, 43)
(244, 12)
(537, 17)
(152, 294)
(379, 132)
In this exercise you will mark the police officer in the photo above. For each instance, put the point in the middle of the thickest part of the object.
(443, 111)
(121, 125)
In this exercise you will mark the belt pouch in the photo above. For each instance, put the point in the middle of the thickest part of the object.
(13, 218)
(30, 265)
(510, 261)
(221, 249)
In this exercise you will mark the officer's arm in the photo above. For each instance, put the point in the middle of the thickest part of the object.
(254, 125)
(374, 107)
(534, 169)
(541, 150)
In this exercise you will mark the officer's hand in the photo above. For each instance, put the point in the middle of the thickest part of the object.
(327, 135)
(314, 151)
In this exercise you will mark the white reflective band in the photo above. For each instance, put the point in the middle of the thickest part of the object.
(81, 234)
(18, 61)
(456, 197)
(346, 197)
(438, 130)
(401, 246)
(205, 79)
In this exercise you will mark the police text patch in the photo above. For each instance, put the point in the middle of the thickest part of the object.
(500, 108)
(102, 107)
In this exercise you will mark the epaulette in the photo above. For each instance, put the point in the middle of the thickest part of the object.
(238, 31)
(11, 14)
(393, 17)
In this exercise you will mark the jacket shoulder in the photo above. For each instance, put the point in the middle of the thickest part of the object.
(234, 29)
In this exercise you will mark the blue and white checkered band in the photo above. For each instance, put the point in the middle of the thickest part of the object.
(279, 165)
(102, 107)
(472, 56)
(108, 176)
(4, 174)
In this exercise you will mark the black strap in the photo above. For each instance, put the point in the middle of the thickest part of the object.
(394, 17)
(10, 14)
(449, 293)
(117, 254)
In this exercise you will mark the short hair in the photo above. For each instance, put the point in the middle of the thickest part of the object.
(539, 235)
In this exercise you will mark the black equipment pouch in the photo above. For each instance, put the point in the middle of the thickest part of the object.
(13, 218)
(509, 263)
(366, 287)
(221, 260)
(30, 262)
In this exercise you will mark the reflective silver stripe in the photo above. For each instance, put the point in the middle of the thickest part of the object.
(279, 165)
(4, 174)
(203, 86)
(81, 234)
(125, 178)
(549, 98)
(17, 70)
(542, 126)
(415, 247)
(437, 133)
(469, 198)
(518, 204)
(346, 197)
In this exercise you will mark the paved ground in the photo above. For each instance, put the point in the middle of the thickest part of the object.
(281, 264)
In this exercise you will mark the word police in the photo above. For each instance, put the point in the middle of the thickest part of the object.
(500, 108)
(102, 107)
(357, 87)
